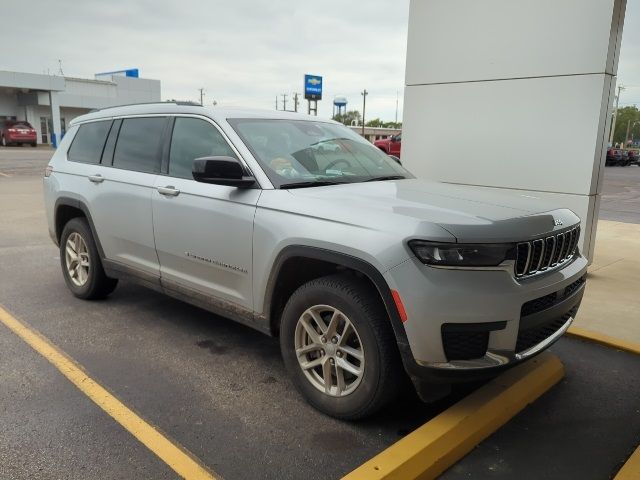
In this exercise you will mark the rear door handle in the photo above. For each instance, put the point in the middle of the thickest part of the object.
(96, 178)
(169, 191)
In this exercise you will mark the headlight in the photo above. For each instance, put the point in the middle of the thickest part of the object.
(462, 255)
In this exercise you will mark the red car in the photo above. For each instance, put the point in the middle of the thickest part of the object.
(391, 145)
(17, 132)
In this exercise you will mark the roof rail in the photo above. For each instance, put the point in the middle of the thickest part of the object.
(167, 102)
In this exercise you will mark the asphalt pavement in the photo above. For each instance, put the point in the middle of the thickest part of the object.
(220, 389)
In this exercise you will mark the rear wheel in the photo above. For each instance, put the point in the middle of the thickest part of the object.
(81, 264)
(34, 144)
(339, 348)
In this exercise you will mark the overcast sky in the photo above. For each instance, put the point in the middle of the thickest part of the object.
(243, 52)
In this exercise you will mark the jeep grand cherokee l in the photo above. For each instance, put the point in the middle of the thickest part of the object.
(366, 274)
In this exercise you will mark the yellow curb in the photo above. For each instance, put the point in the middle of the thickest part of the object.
(631, 469)
(605, 340)
(439, 443)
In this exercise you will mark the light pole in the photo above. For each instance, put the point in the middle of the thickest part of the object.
(615, 115)
(364, 106)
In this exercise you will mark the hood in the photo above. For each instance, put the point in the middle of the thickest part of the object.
(469, 213)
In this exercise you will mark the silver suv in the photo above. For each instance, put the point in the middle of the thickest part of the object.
(301, 229)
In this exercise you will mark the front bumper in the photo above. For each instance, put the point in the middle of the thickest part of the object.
(487, 304)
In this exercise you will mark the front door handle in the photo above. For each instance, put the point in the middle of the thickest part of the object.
(169, 191)
(96, 178)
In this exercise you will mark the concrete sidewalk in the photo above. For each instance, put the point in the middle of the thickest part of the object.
(611, 304)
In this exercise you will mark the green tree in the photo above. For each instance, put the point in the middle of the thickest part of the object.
(626, 118)
(349, 117)
(376, 122)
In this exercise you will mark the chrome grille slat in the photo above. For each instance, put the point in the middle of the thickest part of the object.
(547, 253)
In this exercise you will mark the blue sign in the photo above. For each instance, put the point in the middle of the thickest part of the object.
(313, 87)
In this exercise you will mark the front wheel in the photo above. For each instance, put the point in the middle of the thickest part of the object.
(338, 346)
(81, 264)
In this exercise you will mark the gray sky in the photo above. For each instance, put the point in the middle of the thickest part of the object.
(243, 52)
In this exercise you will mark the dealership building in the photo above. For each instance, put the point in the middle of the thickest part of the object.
(50, 102)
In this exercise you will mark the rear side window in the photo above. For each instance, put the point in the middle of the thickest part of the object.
(138, 145)
(88, 143)
(194, 138)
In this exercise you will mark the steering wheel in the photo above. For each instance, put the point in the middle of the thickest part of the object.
(335, 162)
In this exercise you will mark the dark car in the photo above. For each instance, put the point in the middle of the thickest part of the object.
(633, 156)
(615, 157)
(18, 132)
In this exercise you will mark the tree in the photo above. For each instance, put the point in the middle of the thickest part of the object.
(376, 122)
(626, 117)
(349, 118)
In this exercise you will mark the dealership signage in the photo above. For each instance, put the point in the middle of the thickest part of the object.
(313, 87)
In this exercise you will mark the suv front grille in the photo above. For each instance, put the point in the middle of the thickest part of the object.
(542, 303)
(533, 336)
(542, 254)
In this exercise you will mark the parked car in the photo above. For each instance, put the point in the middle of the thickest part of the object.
(366, 274)
(633, 156)
(614, 156)
(17, 132)
(391, 145)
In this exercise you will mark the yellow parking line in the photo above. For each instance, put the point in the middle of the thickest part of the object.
(631, 469)
(181, 461)
(605, 340)
(439, 443)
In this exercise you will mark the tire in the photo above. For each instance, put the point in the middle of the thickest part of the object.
(34, 145)
(89, 281)
(381, 370)
(3, 142)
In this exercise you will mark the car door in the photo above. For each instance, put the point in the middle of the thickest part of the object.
(122, 187)
(395, 145)
(203, 231)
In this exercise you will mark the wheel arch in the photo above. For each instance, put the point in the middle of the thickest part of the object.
(67, 208)
(319, 262)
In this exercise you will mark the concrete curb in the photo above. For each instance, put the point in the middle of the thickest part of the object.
(605, 340)
(439, 443)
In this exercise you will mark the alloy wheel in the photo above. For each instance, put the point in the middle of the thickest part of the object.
(77, 259)
(329, 350)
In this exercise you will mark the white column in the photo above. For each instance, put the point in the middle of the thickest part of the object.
(513, 94)
(55, 119)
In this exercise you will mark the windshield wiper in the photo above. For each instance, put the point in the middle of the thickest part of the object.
(318, 183)
(386, 177)
(329, 140)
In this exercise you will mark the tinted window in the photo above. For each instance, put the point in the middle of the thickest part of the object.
(88, 142)
(194, 138)
(138, 146)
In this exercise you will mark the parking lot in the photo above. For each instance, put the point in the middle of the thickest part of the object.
(219, 390)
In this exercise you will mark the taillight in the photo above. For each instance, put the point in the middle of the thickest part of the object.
(47, 171)
(12, 130)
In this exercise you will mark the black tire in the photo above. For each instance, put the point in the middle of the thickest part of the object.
(97, 284)
(382, 375)
(34, 145)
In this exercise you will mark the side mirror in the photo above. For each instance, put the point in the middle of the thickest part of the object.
(221, 171)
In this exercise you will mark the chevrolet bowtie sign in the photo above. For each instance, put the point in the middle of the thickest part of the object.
(312, 87)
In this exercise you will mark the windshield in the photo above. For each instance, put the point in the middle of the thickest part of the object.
(304, 153)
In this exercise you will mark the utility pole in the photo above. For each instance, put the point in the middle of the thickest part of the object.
(284, 102)
(397, 93)
(276, 102)
(626, 137)
(364, 106)
(295, 102)
(615, 115)
(201, 96)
